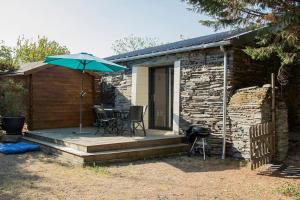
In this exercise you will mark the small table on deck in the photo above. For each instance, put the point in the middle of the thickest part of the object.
(120, 115)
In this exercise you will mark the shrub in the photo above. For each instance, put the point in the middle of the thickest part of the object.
(12, 98)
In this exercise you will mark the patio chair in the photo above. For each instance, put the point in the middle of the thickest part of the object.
(108, 124)
(136, 117)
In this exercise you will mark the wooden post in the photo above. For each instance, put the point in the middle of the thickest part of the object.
(273, 113)
(30, 102)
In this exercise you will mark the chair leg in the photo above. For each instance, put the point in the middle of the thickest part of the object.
(144, 127)
(132, 128)
(203, 147)
(97, 131)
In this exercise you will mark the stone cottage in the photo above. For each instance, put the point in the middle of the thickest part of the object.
(182, 83)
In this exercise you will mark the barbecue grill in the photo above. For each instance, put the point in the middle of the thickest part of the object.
(197, 136)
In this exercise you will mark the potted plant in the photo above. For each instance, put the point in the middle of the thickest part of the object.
(12, 106)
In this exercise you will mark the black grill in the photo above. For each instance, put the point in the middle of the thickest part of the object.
(196, 131)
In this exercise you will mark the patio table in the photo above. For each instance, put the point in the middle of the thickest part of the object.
(118, 114)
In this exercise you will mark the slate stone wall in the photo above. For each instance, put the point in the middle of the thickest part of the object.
(247, 107)
(282, 129)
(118, 87)
(250, 106)
(202, 94)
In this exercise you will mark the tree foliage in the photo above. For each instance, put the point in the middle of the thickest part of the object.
(132, 43)
(281, 17)
(27, 50)
(6, 57)
(32, 51)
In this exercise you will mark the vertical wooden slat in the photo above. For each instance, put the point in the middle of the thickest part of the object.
(261, 144)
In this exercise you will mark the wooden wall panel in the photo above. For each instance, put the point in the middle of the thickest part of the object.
(55, 98)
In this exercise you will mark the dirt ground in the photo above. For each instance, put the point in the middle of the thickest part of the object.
(37, 176)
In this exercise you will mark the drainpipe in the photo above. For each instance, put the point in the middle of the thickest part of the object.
(223, 49)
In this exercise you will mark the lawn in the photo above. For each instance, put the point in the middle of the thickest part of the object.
(37, 176)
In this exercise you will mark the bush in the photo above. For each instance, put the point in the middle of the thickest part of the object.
(12, 98)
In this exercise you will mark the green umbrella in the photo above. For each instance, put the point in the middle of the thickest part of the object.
(83, 62)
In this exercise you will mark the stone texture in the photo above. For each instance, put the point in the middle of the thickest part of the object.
(250, 106)
(202, 94)
(120, 85)
(246, 109)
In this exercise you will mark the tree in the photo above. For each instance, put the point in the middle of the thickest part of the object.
(28, 51)
(132, 43)
(6, 57)
(281, 37)
(31, 51)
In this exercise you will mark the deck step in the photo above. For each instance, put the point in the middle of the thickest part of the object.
(75, 156)
(117, 145)
(136, 153)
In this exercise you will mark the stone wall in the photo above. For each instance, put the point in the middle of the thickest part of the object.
(250, 106)
(202, 94)
(282, 129)
(247, 107)
(120, 87)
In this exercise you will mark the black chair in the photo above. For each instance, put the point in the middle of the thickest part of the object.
(108, 124)
(136, 118)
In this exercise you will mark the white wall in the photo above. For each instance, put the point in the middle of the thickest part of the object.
(140, 89)
(176, 100)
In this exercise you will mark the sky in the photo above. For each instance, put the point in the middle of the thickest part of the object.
(92, 25)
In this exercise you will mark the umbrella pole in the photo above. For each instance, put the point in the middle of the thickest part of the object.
(81, 96)
(81, 101)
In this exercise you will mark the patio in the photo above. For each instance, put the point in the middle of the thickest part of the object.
(87, 148)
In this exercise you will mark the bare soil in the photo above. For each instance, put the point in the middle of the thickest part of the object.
(38, 176)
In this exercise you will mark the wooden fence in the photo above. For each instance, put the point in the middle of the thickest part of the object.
(261, 144)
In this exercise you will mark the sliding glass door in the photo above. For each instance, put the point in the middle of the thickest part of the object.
(161, 97)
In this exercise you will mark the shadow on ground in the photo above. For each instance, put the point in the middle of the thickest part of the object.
(194, 163)
(14, 179)
(290, 170)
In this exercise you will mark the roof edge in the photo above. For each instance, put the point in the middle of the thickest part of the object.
(184, 49)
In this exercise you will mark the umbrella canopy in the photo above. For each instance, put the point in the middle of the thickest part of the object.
(84, 61)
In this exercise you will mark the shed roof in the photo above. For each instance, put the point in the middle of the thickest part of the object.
(27, 68)
(180, 45)
(32, 67)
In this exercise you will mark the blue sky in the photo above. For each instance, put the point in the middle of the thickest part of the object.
(92, 25)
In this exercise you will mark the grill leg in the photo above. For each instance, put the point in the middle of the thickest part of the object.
(192, 148)
(203, 147)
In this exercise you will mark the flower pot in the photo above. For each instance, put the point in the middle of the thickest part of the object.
(13, 125)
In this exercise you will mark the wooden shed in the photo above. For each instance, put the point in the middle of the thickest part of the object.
(53, 95)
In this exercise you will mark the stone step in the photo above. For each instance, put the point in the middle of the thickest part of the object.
(117, 145)
(73, 156)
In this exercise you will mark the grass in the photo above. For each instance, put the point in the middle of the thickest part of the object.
(98, 170)
(291, 190)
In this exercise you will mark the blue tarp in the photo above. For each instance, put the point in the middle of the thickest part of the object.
(20, 147)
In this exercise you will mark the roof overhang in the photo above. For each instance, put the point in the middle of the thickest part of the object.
(185, 49)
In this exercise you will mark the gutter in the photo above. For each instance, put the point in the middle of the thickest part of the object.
(184, 49)
(224, 50)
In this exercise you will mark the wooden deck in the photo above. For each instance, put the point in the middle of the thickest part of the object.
(87, 148)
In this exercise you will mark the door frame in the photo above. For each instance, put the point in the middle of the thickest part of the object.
(170, 97)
